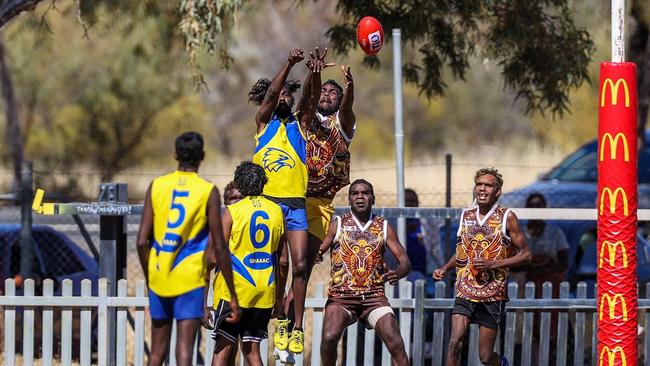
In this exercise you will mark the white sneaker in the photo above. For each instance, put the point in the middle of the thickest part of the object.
(284, 356)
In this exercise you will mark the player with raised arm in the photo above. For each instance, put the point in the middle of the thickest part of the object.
(281, 149)
(328, 165)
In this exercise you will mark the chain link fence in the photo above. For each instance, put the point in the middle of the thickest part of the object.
(58, 250)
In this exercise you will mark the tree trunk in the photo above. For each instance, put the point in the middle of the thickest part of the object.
(14, 136)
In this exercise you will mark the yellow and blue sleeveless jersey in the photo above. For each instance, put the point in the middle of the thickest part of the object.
(281, 149)
(180, 233)
(257, 226)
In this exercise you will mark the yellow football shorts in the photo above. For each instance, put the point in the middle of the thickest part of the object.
(319, 215)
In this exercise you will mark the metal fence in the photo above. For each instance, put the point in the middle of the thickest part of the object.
(361, 347)
(535, 331)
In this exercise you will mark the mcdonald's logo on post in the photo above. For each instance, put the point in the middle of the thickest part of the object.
(613, 146)
(614, 88)
(611, 356)
(612, 198)
(611, 306)
(611, 249)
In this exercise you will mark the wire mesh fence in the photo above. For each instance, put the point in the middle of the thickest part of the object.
(427, 177)
(65, 249)
(57, 252)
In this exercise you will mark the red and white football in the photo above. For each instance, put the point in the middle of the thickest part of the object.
(370, 35)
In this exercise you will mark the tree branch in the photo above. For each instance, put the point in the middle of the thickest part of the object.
(11, 8)
(14, 136)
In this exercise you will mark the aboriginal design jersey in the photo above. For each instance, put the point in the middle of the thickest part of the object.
(281, 149)
(328, 157)
(180, 233)
(257, 226)
(482, 238)
(358, 257)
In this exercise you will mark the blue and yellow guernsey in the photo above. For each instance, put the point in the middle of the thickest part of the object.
(180, 226)
(281, 149)
(257, 226)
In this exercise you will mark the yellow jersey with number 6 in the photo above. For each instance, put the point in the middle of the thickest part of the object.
(257, 226)
(180, 233)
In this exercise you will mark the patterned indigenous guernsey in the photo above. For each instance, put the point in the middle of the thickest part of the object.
(281, 149)
(257, 225)
(482, 238)
(176, 260)
(358, 257)
(328, 158)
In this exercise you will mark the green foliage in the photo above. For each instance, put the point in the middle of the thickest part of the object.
(97, 103)
(541, 52)
(86, 90)
(206, 24)
(202, 24)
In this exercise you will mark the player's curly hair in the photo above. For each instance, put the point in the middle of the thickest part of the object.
(491, 171)
(189, 148)
(338, 87)
(250, 179)
(229, 187)
(258, 91)
(362, 181)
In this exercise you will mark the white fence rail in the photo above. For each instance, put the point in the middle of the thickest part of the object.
(93, 316)
(91, 326)
(424, 325)
(91, 337)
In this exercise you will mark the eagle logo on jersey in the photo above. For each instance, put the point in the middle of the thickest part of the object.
(276, 159)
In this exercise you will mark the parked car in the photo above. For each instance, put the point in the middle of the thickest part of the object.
(55, 256)
(573, 184)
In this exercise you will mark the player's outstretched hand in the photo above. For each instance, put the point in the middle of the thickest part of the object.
(347, 75)
(438, 274)
(235, 314)
(295, 56)
(391, 277)
(317, 57)
(208, 319)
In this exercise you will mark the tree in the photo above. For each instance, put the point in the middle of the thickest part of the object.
(203, 24)
(541, 52)
(96, 104)
(11, 112)
(537, 47)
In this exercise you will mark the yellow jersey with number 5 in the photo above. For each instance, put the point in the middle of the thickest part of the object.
(257, 226)
(180, 233)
